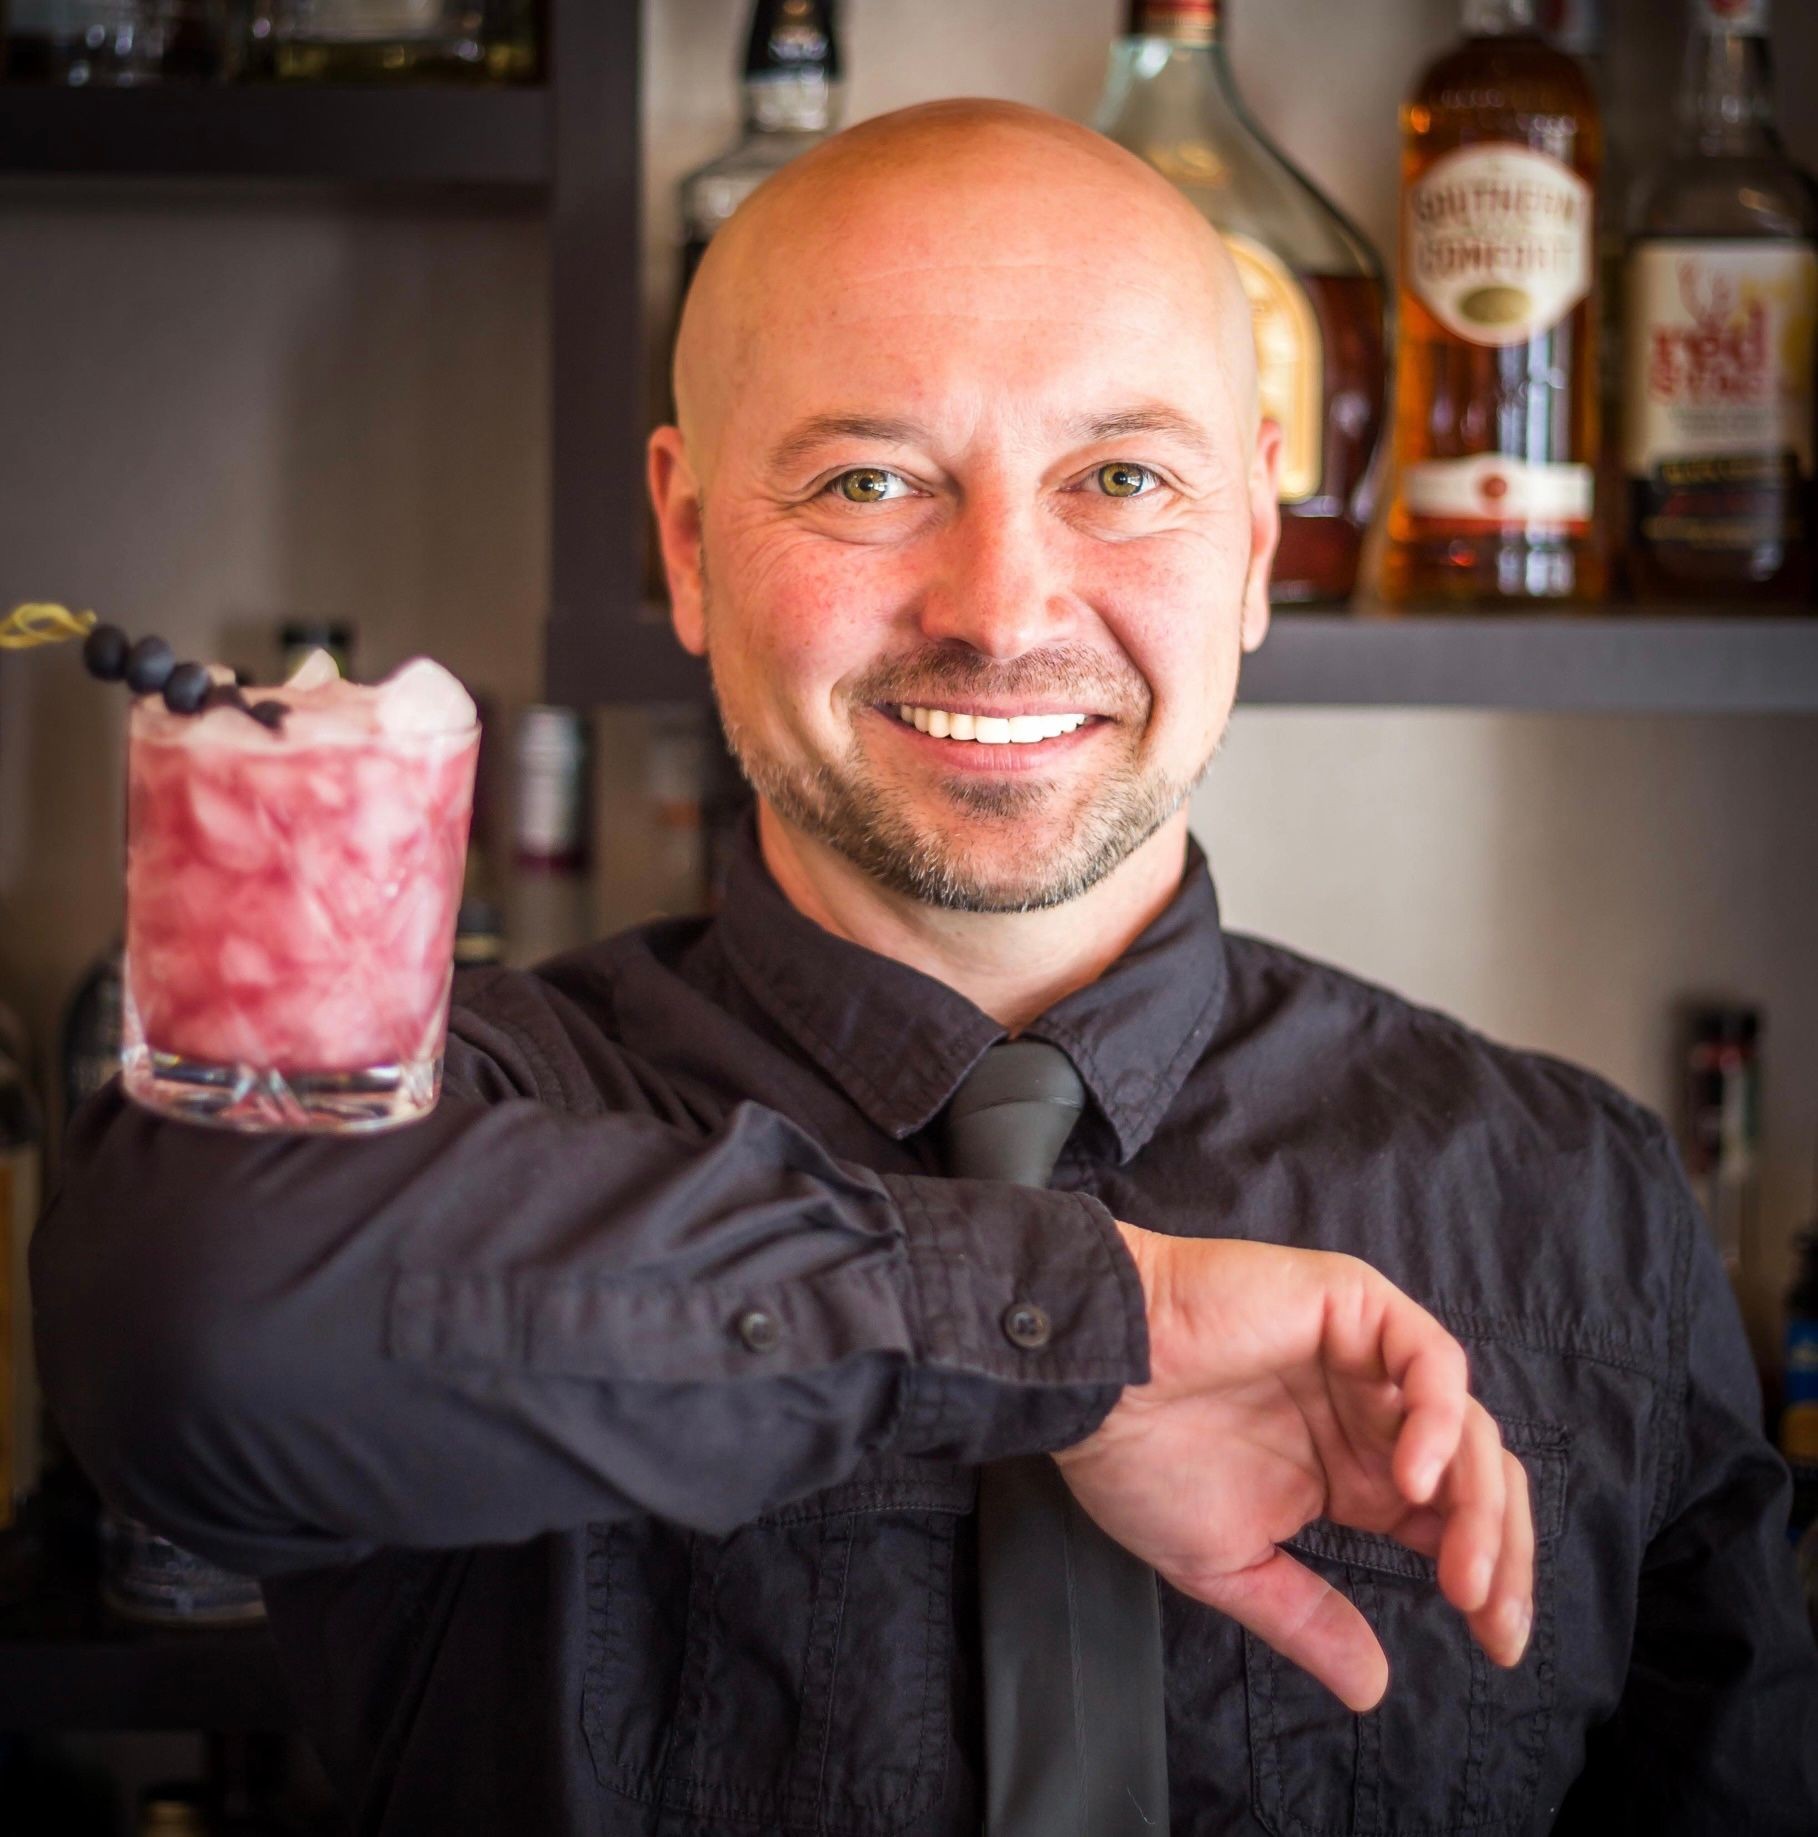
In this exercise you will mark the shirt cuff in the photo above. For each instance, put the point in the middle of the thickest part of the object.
(1027, 1317)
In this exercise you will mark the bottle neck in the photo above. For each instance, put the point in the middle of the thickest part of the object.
(1501, 18)
(1726, 104)
(792, 68)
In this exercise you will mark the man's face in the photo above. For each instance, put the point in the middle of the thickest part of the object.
(978, 456)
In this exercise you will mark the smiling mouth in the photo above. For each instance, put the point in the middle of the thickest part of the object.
(989, 729)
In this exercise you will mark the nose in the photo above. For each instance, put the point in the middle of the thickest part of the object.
(996, 586)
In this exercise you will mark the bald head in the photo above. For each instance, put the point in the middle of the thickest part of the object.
(977, 189)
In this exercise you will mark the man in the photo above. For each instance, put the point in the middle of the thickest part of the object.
(610, 1439)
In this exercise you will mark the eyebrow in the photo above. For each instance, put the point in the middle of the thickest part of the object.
(1151, 418)
(803, 441)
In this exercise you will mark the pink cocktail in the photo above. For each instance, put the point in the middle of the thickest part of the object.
(290, 902)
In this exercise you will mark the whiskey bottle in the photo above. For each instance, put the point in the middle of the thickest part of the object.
(1497, 423)
(1722, 309)
(1314, 284)
(791, 89)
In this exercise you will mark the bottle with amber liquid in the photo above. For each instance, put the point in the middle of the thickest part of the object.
(1314, 284)
(1722, 310)
(1497, 420)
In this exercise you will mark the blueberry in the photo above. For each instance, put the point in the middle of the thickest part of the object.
(148, 666)
(186, 688)
(104, 652)
(268, 714)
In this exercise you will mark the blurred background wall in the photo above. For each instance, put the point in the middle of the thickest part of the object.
(219, 412)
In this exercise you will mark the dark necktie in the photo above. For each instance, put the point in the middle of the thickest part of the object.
(1075, 1744)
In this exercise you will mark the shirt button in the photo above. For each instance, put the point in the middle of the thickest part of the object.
(1027, 1326)
(761, 1331)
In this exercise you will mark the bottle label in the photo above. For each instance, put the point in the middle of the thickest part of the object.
(1718, 431)
(1493, 491)
(1799, 1420)
(1720, 351)
(1290, 362)
(1499, 242)
(1802, 1360)
(1740, 16)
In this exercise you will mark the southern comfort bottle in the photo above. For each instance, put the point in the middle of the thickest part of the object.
(1497, 426)
(1314, 284)
(1722, 311)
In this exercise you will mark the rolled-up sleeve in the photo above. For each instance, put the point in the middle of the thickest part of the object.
(504, 1320)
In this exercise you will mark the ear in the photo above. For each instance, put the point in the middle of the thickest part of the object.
(1265, 532)
(675, 495)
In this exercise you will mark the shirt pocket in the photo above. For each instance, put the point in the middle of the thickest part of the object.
(1456, 1745)
(795, 1674)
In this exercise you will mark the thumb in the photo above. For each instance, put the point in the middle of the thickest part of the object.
(1307, 1621)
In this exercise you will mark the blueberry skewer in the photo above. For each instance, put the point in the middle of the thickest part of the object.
(147, 667)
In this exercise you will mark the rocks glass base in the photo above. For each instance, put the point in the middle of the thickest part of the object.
(256, 1099)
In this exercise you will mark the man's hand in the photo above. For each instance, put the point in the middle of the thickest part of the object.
(1289, 1383)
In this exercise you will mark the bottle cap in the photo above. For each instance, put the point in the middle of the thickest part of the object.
(1726, 1026)
(1188, 22)
(792, 37)
(1747, 18)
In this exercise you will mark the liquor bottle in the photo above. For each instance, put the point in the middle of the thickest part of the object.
(391, 41)
(21, 1144)
(1497, 422)
(1723, 1129)
(1723, 305)
(791, 89)
(1314, 284)
(549, 906)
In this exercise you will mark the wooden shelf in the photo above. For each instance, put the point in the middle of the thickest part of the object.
(274, 131)
(1631, 662)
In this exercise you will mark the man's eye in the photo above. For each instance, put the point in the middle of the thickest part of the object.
(868, 485)
(1119, 480)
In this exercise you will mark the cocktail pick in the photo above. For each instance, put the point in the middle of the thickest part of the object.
(147, 667)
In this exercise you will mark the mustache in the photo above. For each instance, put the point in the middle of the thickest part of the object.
(1067, 672)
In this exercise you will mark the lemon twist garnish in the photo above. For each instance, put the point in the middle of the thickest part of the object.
(40, 622)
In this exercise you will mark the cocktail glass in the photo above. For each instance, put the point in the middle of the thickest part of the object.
(290, 906)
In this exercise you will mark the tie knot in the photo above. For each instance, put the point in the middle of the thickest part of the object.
(1012, 1114)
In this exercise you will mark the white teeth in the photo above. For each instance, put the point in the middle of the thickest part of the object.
(989, 729)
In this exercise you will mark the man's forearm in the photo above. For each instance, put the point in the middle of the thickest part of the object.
(503, 1321)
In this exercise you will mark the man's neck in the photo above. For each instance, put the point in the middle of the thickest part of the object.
(1012, 965)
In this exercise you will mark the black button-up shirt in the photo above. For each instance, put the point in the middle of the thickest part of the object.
(609, 1439)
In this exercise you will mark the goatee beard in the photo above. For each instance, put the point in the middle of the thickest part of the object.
(992, 869)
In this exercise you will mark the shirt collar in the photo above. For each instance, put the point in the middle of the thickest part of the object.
(899, 1042)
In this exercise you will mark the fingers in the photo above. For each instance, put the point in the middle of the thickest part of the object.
(1308, 1622)
(1475, 1499)
(1429, 1365)
(1503, 1624)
